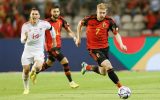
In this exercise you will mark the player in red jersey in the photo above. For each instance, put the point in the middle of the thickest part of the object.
(97, 27)
(55, 53)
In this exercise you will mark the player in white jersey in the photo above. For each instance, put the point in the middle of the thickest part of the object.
(33, 35)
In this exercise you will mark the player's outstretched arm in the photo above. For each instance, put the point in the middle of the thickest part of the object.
(71, 33)
(119, 40)
(79, 34)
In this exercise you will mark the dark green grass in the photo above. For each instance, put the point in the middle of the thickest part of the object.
(54, 86)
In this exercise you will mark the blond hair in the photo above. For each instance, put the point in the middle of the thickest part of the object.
(102, 6)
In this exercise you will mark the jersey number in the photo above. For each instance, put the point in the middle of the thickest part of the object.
(97, 31)
(35, 36)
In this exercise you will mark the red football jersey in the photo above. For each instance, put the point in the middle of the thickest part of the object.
(58, 24)
(97, 31)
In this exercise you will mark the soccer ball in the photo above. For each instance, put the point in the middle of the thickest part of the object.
(124, 92)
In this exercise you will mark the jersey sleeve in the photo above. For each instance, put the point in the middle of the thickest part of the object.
(113, 27)
(53, 33)
(23, 33)
(85, 20)
(52, 30)
(47, 25)
(65, 24)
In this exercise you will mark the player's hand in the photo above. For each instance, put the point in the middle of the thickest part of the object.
(123, 47)
(74, 39)
(78, 42)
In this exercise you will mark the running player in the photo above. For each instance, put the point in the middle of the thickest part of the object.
(97, 27)
(33, 36)
(58, 22)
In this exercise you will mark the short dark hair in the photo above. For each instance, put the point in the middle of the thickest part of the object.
(55, 6)
(34, 8)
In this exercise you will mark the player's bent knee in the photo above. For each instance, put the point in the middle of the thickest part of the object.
(106, 64)
(102, 71)
(38, 64)
(64, 61)
(49, 62)
(60, 57)
(26, 68)
(26, 72)
(109, 67)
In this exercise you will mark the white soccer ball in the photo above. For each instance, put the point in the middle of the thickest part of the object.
(124, 92)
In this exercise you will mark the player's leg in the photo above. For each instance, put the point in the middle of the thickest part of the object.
(87, 67)
(25, 78)
(26, 61)
(35, 68)
(67, 72)
(48, 63)
(101, 57)
(112, 75)
(37, 65)
(109, 68)
(95, 54)
(64, 61)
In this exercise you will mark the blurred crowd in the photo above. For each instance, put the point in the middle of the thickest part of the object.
(134, 17)
(141, 17)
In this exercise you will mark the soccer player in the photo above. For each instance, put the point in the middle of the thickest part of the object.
(33, 36)
(97, 27)
(58, 22)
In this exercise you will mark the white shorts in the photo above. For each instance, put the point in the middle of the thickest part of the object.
(29, 57)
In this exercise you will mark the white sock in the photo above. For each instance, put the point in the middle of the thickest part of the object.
(25, 79)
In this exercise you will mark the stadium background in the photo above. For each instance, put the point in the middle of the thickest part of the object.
(139, 22)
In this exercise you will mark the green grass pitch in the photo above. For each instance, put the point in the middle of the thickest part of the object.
(54, 86)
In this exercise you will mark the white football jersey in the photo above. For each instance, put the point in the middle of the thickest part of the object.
(35, 34)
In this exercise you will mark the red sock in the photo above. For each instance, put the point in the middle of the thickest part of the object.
(119, 84)
(88, 67)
